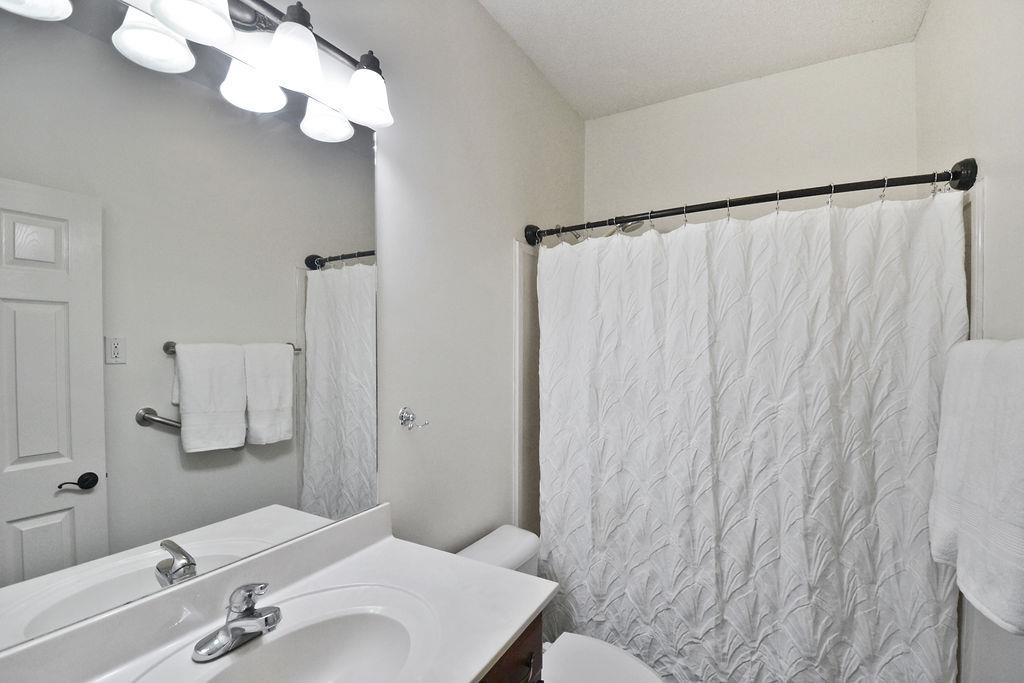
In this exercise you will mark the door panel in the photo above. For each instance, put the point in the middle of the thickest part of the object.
(40, 544)
(40, 386)
(51, 381)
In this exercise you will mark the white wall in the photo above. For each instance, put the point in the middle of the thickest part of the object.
(970, 102)
(482, 145)
(208, 212)
(847, 119)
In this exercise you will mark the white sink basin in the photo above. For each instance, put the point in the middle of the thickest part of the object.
(365, 633)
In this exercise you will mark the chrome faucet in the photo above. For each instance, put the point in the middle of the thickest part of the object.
(244, 622)
(178, 567)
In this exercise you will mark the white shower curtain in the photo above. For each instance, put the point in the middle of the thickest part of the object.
(738, 426)
(339, 468)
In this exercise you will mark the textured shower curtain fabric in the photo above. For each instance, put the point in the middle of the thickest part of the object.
(340, 451)
(738, 428)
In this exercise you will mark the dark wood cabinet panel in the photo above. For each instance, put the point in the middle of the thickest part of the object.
(521, 663)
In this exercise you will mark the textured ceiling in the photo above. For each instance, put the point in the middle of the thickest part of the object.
(607, 56)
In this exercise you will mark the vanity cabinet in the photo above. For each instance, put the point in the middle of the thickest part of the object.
(521, 663)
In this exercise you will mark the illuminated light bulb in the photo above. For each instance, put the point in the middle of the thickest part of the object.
(325, 124)
(202, 21)
(43, 10)
(367, 100)
(248, 89)
(294, 58)
(149, 43)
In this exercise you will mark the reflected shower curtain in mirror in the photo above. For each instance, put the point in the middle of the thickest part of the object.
(738, 428)
(339, 468)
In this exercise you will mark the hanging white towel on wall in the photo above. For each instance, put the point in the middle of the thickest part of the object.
(977, 508)
(738, 430)
(340, 456)
(209, 388)
(269, 390)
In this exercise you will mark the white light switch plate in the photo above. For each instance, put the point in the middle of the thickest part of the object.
(115, 350)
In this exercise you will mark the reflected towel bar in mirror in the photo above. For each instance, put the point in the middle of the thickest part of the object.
(169, 347)
(147, 416)
(317, 262)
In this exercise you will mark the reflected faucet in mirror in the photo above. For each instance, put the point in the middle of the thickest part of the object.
(180, 566)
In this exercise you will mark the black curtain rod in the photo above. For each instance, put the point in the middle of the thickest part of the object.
(961, 177)
(316, 262)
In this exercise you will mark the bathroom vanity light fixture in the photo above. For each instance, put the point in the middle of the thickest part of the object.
(268, 49)
(149, 43)
(203, 21)
(43, 10)
(248, 89)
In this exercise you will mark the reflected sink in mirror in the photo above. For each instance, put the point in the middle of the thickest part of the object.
(38, 606)
(360, 633)
(118, 583)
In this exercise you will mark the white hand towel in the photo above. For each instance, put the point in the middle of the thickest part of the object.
(960, 434)
(977, 507)
(269, 391)
(211, 396)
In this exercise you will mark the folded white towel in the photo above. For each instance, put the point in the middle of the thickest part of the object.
(210, 388)
(977, 509)
(269, 391)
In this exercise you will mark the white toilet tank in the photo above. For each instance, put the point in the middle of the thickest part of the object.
(509, 547)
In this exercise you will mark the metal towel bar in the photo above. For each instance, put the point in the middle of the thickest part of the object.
(170, 347)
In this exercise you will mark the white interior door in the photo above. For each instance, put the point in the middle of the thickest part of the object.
(51, 381)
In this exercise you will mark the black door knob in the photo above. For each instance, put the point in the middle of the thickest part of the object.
(85, 482)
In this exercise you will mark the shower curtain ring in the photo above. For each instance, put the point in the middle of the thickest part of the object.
(885, 187)
(778, 193)
(935, 183)
(728, 208)
(686, 219)
(831, 194)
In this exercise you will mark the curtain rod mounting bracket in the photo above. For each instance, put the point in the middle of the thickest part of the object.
(965, 174)
(533, 236)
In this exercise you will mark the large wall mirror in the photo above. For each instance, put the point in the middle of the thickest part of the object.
(140, 208)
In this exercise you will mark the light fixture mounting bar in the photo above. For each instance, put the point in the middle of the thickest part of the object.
(276, 16)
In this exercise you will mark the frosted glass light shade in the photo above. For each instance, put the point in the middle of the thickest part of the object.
(325, 124)
(248, 89)
(149, 43)
(43, 10)
(294, 59)
(367, 101)
(203, 21)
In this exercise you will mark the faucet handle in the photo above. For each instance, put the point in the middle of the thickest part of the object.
(243, 598)
(178, 567)
(179, 556)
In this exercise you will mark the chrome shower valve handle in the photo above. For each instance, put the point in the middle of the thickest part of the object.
(407, 418)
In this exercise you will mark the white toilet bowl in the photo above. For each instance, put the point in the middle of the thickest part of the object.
(571, 658)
